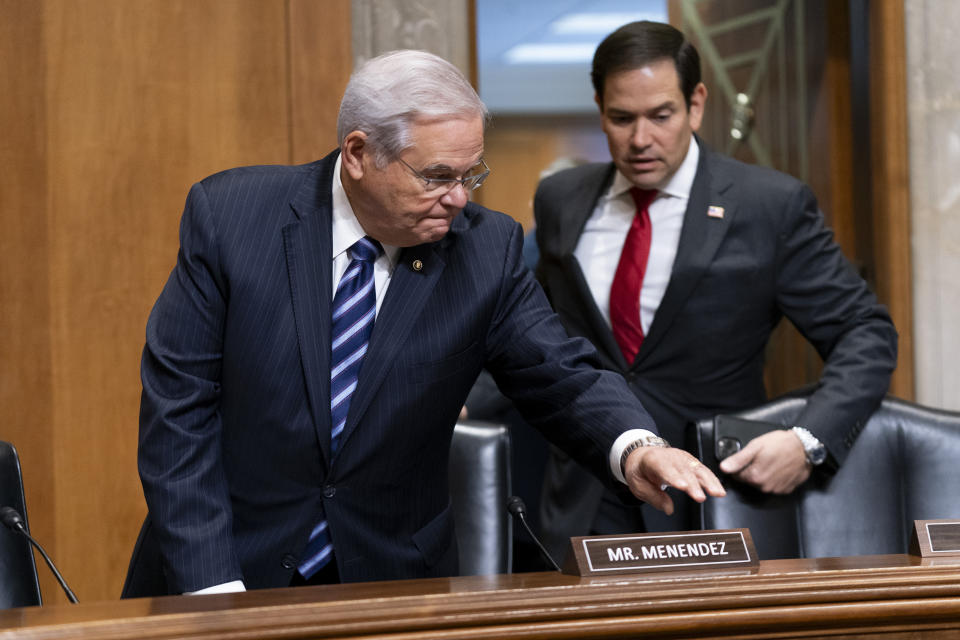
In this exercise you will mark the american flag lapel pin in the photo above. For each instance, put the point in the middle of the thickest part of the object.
(714, 211)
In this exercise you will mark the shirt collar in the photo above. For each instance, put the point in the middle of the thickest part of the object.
(346, 229)
(679, 185)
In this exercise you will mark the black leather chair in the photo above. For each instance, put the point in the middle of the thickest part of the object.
(19, 586)
(479, 488)
(905, 466)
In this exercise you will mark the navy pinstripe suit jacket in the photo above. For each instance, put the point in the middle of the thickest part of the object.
(235, 423)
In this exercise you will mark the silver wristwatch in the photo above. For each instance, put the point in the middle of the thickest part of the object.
(646, 441)
(815, 451)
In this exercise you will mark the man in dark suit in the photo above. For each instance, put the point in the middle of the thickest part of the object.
(728, 250)
(307, 360)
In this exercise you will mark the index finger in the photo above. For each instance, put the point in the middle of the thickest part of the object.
(708, 480)
(694, 478)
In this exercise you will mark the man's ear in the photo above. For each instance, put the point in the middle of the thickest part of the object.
(697, 101)
(355, 154)
(599, 101)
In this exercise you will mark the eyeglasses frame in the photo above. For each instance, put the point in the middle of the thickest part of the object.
(450, 183)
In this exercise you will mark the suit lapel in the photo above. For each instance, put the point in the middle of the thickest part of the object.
(602, 337)
(308, 249)
(700, 237)
(582, 202)
(406, 297)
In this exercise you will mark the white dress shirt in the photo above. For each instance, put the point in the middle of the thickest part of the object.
(598, 250)
(346, 231)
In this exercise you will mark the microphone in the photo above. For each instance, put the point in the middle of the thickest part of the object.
(518, 510)
(14, 521)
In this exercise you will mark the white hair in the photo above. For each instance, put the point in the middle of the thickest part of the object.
(387, 93)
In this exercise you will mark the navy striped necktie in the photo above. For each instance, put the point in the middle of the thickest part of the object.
(354, 309)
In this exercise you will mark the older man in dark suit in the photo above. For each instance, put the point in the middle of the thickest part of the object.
(677, 263)
(309, 355)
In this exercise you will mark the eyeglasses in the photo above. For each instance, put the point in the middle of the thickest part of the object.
(471, 181)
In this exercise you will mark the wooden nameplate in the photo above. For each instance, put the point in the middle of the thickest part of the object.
(932, 538)
(655, 552)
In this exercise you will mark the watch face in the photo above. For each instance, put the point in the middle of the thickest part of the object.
(655, 441)
(817, 455)
(814, 450)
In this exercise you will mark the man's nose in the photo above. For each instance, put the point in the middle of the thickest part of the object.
(641, 138)
(457, 196)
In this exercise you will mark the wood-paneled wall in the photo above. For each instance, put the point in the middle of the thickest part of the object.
(109, 110)
(890, 166)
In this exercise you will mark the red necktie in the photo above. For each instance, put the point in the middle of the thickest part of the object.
(625, 291)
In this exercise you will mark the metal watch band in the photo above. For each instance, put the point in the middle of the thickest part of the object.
(648, 441)
(812, 447)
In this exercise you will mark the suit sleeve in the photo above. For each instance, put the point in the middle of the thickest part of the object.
(179, 451)
(831, 305)
(554, 380)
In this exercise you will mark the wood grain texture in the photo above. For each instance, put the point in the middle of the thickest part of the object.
(144, 98)
(320, 68)
(520, 149)
(832, 128)
(515, 156)
(115, 108)
(890, 164)
(895, 597)
(26, 416)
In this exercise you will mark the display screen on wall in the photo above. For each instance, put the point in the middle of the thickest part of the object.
(534, 55)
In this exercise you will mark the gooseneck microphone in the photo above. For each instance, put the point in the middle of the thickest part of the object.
(518, 510)
(14, 521)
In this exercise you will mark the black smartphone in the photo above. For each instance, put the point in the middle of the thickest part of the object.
(731, 434)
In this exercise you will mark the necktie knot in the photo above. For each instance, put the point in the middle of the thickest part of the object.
(366, 249)
(643, 197)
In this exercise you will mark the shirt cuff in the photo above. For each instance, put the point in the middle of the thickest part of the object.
(234, 586)
(616, 451)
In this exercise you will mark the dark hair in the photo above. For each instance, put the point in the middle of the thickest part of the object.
(639, 43)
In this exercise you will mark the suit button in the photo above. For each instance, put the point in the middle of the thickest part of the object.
(288, 561)
(329, 491)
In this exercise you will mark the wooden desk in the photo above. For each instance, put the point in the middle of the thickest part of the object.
(891, 597)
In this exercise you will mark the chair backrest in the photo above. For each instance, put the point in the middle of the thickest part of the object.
(18, 572)
(479, 488)
(904, 466)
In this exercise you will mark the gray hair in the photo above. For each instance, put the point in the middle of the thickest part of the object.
(387, 93)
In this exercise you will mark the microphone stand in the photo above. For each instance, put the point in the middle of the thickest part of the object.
(518, 509)
(12, 519)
